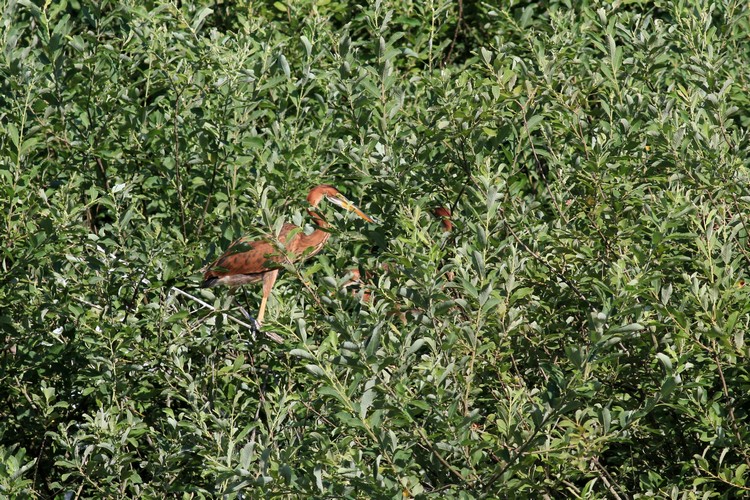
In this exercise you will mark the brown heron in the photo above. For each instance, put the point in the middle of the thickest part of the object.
(251, 261)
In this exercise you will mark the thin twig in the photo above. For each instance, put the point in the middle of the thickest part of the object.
(467, 170)
(722, 480)
(87, 303)
(261, 400)
(539, 167)
(455, 33)
(728, 398)
(208, 198)
(131, 305)
(440, 458)
(544, 262)
(103, 172)
(215, 169)
(276, 338)
(607, 479)
(517, 453)
(177, 164)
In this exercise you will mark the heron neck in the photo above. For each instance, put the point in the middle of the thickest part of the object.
(318, 219)
(317, 238)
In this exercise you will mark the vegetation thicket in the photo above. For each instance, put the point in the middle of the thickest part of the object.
(591, 342)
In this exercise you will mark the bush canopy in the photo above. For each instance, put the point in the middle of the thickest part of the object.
(580, 332)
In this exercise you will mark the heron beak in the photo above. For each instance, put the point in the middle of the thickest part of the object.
(340, 201)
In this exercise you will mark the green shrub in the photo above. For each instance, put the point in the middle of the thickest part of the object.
(579, 333)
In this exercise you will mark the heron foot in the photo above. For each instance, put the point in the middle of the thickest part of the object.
(254, 323)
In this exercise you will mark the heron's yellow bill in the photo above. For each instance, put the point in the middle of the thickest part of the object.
(341, 201)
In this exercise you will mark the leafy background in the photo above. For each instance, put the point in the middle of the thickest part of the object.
(580, 332)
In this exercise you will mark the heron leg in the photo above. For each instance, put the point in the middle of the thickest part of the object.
(253, 322)
(269, 279)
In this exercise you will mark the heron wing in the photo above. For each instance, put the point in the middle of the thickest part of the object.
(246, 256)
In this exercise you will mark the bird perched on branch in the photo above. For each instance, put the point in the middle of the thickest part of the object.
(251, 261)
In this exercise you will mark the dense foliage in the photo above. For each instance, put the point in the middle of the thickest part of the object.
(579, 333)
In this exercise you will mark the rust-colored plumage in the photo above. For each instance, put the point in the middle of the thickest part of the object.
(445, 215)
(251, 261)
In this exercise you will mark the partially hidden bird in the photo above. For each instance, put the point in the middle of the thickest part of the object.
(356, 281)
(250, 261)
(445, 218)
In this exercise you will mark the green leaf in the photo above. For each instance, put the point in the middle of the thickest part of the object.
(731, 321)
(605, 418)
(12, 132)
(533, 122)
(374, 343)
(302, 353)
(668, 387)
(417, 345)
(284, 65)
(520, 293)
(665, 361)
(200, 18)
(316, 370)
(632, 327)
(307, 44)
(367, 398)
(486, 55)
